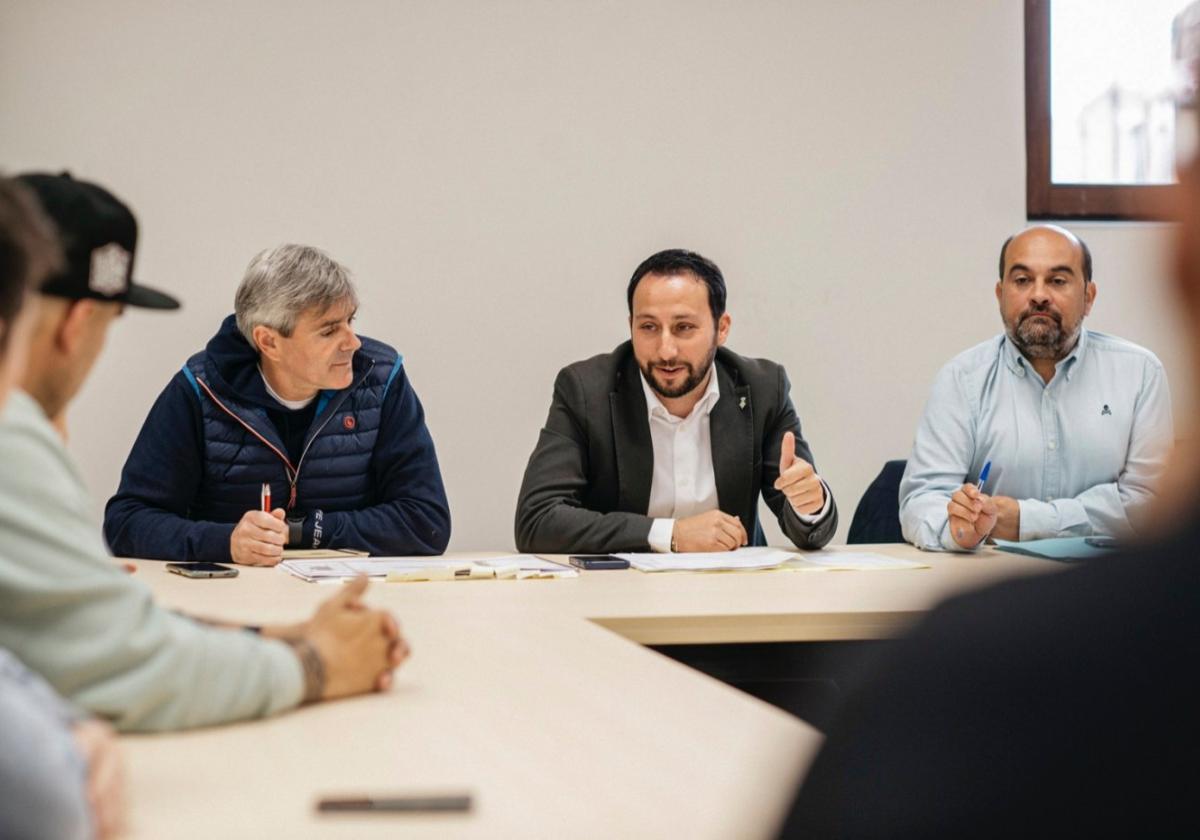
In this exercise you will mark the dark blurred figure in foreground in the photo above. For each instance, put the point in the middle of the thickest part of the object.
(1058, 705)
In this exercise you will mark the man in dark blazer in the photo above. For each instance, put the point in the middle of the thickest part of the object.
(666, 443)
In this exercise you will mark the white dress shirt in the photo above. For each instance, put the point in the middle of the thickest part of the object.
(684, 483)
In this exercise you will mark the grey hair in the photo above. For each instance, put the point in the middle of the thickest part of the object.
(284, 281)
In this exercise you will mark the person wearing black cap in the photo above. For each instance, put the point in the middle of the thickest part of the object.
(80, 302)
(94, 632)
(61, 773)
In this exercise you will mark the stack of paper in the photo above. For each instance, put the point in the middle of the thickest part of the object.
(522, 566)
(399, 569)
(321, 569)
(743, 559)
(751, 559)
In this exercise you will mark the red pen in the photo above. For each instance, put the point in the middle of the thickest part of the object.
(266, 497)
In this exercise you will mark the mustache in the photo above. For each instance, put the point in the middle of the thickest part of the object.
(1029, 313)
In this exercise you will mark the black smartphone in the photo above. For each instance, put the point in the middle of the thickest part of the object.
(598, 561)
(202, 570)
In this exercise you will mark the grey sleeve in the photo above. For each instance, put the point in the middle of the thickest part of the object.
(43, 777)
(551, 516)
(100, 640)
(95, 633)
(938, 464)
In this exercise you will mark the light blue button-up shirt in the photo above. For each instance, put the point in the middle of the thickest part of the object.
(1081, 454)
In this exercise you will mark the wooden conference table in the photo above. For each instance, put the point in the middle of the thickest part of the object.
(535, 697)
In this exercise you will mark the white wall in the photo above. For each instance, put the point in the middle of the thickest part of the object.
(493, 171)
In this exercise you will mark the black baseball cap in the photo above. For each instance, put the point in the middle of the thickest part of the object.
(98, 235)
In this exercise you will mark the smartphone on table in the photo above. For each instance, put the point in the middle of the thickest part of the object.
(202, 570)
(598, 561)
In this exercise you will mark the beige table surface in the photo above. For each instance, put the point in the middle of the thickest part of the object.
(532, 696)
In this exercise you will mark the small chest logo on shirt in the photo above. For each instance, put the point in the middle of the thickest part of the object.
(348, 422)
(1106, 411)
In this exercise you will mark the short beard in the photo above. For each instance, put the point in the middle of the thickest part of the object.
(1038, 340)
(694, 377)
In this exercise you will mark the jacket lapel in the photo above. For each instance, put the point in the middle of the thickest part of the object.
(631, 438)
(731, 428)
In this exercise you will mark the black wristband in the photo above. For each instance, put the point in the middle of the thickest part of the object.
(295, 532)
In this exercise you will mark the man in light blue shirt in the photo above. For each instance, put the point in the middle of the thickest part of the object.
(1076, 424)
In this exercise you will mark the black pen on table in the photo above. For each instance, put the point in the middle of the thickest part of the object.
(397, 804)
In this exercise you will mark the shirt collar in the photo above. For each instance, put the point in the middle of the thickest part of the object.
(705, 405)
(290, 405)
(1019, 365)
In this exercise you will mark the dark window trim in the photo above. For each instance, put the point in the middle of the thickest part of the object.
(1047, 200)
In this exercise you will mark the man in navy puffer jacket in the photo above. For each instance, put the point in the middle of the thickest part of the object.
(285, 394)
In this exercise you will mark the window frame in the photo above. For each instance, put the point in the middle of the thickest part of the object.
(1045, 199)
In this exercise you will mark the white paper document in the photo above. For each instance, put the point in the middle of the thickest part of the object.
(525, 562)
(525, 566)
(838, 561)
(325, 569)
(743, 559)
(398, 569)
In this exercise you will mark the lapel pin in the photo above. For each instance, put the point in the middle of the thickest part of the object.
(742, 403)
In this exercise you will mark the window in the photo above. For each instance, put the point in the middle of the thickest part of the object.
(1102, 79)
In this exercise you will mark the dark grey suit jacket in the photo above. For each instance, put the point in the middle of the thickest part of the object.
(587, 485)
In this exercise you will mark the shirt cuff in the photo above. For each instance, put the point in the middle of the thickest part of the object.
(946, 539)
(814, 518)
(660, 535)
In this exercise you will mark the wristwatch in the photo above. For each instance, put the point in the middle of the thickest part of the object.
(295, 531)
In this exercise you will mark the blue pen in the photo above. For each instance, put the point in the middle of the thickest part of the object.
(983, 474)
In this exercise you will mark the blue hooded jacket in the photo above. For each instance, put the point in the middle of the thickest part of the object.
(367, 479)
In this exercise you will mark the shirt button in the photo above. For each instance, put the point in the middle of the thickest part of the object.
(1052, 446)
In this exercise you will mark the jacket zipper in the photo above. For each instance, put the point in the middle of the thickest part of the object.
(292, 472)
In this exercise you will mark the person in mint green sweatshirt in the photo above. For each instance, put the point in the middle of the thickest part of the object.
(61, 773)
(66, 609)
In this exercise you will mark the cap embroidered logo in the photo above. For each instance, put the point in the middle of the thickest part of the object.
(110, 270)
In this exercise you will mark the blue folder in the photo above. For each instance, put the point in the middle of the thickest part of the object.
(1061, 548)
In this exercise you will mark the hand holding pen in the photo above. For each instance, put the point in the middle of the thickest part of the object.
(972, 513)
(260, 535)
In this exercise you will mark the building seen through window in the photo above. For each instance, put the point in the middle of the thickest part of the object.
(1115, 76)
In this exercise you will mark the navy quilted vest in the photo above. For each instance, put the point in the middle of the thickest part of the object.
(242, 449)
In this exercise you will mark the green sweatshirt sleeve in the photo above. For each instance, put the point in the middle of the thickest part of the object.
(95, 632)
